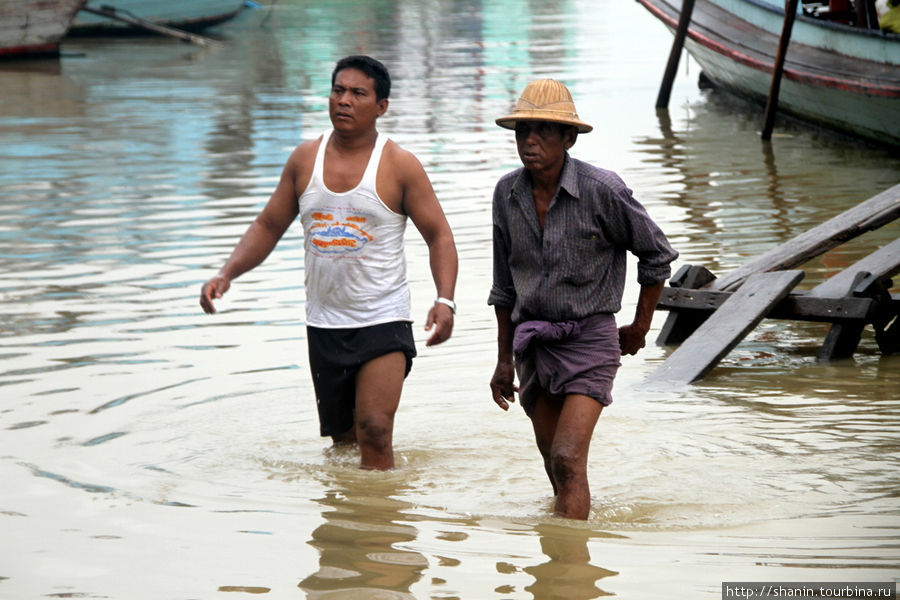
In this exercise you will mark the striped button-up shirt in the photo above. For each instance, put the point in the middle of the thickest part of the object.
(575, 266)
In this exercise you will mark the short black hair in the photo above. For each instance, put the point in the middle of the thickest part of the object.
(371, 67)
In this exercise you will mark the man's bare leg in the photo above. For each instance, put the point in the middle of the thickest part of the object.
(378, 387)
(569, 455)
(543, 421)
(563, 431)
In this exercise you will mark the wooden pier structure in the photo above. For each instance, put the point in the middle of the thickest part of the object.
(709, 315)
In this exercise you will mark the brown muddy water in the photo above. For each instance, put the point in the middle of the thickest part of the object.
(150, 451)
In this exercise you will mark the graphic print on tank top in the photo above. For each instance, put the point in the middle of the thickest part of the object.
(334, 233)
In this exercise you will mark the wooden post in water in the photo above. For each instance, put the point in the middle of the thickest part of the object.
(665, 89)
(790, 12)
(866, 17)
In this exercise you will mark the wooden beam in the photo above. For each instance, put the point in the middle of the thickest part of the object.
(725, 328)
(681, 324)
(884, 262)
(796, 306)
(850, 300)
(844, 336)
(866, 216)
(831, 300)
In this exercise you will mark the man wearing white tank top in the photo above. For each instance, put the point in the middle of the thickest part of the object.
(353, 190)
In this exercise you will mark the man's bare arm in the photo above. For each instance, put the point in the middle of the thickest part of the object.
(502, 386)
(260, 238)
(421, 204)
(632, 337)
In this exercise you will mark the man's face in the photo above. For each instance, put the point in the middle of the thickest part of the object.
(352, 103)
(542, 145)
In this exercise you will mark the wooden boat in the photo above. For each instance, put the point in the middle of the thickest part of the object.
(840, 76)
(34, 27)
(189, 15)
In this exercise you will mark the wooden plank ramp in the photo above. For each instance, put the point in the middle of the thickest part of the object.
(855, 297)
(726, 327)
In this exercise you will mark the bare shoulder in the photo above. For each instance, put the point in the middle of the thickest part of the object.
(407, 189)
(406, 163)
(305, 153)
(299, 166)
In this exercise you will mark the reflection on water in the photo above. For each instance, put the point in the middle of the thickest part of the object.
(149, 450)
(568, 573)
(361, 543)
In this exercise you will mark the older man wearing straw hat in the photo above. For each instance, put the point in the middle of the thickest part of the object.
(562, 231)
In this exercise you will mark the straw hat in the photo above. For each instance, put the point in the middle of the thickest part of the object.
(545, 100)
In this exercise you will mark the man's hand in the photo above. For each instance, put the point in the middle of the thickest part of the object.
(213, 290)
(502, 388)
(632, 338)
(440, 317)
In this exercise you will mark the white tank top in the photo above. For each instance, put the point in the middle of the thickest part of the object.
(355, 263)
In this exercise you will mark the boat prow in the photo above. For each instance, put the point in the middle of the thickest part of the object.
(30, 28)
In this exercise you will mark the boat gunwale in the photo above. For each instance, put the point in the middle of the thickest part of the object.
(839, 27)
(96, 25)
(791, 71)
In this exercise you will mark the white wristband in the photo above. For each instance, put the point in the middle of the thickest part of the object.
(447, 302)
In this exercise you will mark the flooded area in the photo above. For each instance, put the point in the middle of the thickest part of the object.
(148, 450)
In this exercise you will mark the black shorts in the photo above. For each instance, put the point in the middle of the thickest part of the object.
(335, 357)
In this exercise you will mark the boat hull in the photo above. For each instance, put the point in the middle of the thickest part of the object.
(34, 27)
(822, 86)
(184, 14)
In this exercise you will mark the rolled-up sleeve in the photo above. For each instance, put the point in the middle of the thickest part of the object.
(641, 236)
(654, 264)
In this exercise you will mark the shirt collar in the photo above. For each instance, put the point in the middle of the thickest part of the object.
(568, 179)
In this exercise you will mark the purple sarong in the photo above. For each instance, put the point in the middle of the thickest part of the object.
(570, 357)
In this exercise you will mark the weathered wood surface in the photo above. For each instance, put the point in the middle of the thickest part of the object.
(831, 300)
(682, 323)
(725, 328)
(855, 297)
(797, 306)
(884, 262)
(866, 216)
(867, 279)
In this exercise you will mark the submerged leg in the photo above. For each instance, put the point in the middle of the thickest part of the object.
(544, 419)
(345, 439)
(569, 455)
(378, 387)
